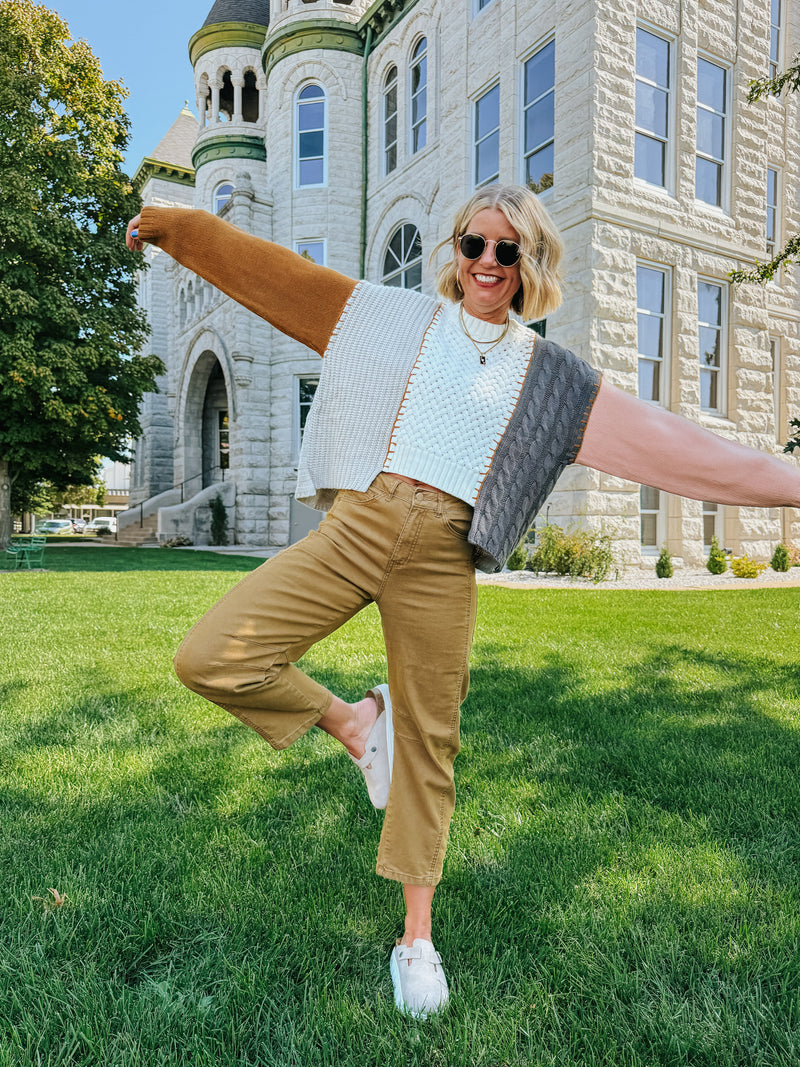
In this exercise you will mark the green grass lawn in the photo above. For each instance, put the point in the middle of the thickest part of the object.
(621, 886)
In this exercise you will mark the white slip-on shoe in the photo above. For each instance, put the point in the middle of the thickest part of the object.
(420, 986)
(376, 763)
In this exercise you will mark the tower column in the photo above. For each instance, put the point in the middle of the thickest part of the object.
(238, 85)
(215, 88)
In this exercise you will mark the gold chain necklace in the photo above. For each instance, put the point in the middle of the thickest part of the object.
(482, 352)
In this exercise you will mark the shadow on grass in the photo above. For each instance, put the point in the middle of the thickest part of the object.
(102, 558)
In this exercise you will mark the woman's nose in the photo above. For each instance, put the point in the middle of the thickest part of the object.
(488, 256)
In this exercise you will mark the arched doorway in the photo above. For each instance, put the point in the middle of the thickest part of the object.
(216, 428)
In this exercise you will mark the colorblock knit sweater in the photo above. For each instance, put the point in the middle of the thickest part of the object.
(399, 390)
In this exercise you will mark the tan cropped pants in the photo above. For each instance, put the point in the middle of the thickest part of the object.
(404, 548)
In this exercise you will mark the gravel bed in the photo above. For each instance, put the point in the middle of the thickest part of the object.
(684, 578)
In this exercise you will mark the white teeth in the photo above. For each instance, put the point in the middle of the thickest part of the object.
(486, 278)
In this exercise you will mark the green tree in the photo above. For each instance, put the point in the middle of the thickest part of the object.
(785, 81)
(70, 379)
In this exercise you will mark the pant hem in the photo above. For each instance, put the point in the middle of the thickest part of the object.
(407, 879)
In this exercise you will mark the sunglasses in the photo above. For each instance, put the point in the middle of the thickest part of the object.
(506, 253)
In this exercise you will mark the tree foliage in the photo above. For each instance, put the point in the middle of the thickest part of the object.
(70, 330)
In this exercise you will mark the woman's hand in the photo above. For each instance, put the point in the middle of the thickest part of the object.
(134, 243)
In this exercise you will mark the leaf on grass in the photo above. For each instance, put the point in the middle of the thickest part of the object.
(57, 901)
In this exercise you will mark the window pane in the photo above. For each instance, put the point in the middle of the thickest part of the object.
(649, 530)
(711, 84)
(311, 172)
(314, 250)
(652, 57)
(650, 289)
(488, 158)
(420, 137)
(311, 144)
(650, 335)
(413, 278)
(540, 164)
(708, 181)
(708, 390)
(709, 528)
(418, 75)
(488, 112)
(651, 108)
(311, 116)
(709, 346)
(419, 107)
(540, 72)
(709, 303)
(710, 133)
(650, 498)
(540, 122)
(311, 92)
(649, 380)
(391, 130)
(649, 162)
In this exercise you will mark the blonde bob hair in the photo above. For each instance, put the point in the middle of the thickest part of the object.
(542, 249)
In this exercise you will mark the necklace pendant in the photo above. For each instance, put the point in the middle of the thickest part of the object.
(483, 360)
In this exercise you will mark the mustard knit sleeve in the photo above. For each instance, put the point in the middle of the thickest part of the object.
(296, 296)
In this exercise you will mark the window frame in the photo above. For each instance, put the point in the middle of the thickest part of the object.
(773, 212)
(718, 513)
(725, 162)
(386, 88)
(415, 61)
(322, 241)
(298, 103)
(406, 263)
(479, 6)
(722, 370)
(668, 141)
(476, 141)
(775, 37)
(525, 105)
(661, 521)
(298, 420)
(666, 336)
(219, 205)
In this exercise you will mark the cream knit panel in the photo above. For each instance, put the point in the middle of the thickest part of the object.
(364, 375)
(455, 409)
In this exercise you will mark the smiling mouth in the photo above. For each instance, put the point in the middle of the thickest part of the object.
(486, 279)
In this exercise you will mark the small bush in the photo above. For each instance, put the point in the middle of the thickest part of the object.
(744, 567)
(780, 559)
(578, 553)
(717, 560)
(518, 558)
(219, 521)
(664, 564)
(794, 555)
(177, 542)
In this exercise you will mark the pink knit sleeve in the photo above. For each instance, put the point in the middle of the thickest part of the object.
(629, 438)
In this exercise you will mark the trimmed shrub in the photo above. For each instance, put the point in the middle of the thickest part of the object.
(780, 559)
(744, 567)
(578, 553)
(177, 542)
(219, 521)
(717, 560)
(664, 564)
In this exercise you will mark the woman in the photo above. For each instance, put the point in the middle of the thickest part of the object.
(437, 432)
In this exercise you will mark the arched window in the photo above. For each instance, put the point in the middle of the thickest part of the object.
(311, 123)
(402, 264)
(182, 306)
(419, 95)
(226, 98)
(222, 194)
(390, 120)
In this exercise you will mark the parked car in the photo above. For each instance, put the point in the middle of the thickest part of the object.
(55, 526)
(102, 522)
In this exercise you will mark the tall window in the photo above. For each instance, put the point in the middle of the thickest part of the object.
(390, 120)
(313, 250)
(306, 388)
(651, 329)
(711, 313)
(772, 211)
(402, 264)
(538, 115)
(222, 195)
(487, 136)
(774, 38)
(223, 440)
(712, 523)
(419, 95)
(712, 133)
(651, 156)
(311, 169)
(650, 517)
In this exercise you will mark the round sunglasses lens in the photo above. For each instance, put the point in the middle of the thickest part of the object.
(472, 245)
(507, 253)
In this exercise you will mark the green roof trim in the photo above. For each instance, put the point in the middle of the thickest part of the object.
(383, 16)
(168, 172)
(225, 35)
(228, 146)
(294, 37)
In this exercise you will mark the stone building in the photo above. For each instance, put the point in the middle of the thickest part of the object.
(351, 130)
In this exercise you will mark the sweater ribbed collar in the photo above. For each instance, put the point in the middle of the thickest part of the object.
(480, 329)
